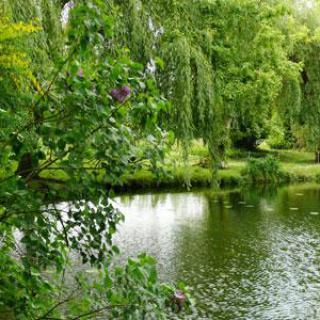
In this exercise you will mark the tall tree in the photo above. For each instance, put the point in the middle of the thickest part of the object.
(224, 64)
(299, 105)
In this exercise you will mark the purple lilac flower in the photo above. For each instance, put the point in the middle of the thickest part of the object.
(120, 94)
(179, 295)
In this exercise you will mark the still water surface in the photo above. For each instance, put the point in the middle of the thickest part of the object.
(251, 254)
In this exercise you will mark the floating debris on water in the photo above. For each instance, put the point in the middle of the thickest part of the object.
(314, 213)
(299, 194)
(228, 207)
(242, 202)
(92, 271)
(270, 209)
(294, 209)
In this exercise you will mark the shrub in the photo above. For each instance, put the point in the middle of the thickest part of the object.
(263, 170)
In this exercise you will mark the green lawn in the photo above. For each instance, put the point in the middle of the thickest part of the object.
(297, 164)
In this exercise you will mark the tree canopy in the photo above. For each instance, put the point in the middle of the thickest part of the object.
(120, 81)
(225, 63)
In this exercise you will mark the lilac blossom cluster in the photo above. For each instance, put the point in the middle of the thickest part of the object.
(121, 94)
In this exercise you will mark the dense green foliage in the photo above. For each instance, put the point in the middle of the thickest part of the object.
(231, 67)
(66, 119)
(106, 93)
(225, 63)
(265, 170)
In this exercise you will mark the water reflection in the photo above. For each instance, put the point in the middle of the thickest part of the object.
(245, 254)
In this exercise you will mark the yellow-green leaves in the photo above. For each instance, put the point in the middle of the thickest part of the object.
(11, 56)
(10, 30)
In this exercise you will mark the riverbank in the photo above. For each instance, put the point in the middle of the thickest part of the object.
(296, 166)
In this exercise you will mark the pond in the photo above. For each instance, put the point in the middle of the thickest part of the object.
(252, 254)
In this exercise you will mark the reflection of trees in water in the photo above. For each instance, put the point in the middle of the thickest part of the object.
(152, 200)
(223, 251)
(265, 191)
(233, 254)
(305, 198)
(125, 199)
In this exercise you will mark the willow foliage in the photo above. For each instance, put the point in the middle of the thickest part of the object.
(179, 84)
(298, 103)
(225, 63)
(309, 117)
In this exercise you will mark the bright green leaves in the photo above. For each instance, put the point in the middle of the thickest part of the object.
(71, 139)
(178, 60)
(90, 24)
(299, 99)
(224, 64)
(253, 61)
(89, 230)
(264, 170)
(129, 292)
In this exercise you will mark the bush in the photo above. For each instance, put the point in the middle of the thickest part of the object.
(263, 170)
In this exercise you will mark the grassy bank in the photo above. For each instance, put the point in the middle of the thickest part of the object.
(296, 166)
(181, 176)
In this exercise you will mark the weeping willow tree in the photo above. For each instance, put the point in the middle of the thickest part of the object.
(287, 106)
(310, 108)
(300, 99)
(225, 64)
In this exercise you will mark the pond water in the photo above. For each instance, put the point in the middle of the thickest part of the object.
(251, 254)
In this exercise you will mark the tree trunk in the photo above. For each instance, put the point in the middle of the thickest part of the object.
(317, 159)
(25, 168)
